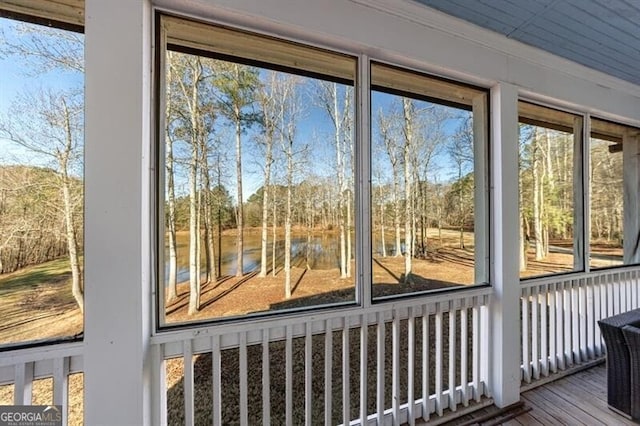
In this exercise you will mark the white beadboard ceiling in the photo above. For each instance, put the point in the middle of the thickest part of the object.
(600, 34)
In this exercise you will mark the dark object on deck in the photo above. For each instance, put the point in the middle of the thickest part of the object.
(622, 337)
(632, 337)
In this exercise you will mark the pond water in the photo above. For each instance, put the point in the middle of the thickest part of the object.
(319, 252)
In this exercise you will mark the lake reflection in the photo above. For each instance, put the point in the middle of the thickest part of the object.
(319, 252)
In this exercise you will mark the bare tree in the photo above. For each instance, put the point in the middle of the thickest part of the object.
(288, 129)
(189, 76)
(408, 115)
(460, 150)
(237, 85)
(390, 143)
(341, 117)
(53, 130)
(171, 195)
(271, 103)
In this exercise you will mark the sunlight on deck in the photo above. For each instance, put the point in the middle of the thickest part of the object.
(578, 399)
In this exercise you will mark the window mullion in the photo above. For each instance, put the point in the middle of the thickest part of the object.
(578, 195)
(586, 186)
(363, 184)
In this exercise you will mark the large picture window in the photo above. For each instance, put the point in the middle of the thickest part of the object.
(257, 142)
(41, 180)
(258, 156)
(551, 194)
(614, 210)
(429, 193)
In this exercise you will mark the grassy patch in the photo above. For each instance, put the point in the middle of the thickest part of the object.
(53, 272)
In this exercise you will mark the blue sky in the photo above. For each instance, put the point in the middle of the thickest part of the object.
(18, 77)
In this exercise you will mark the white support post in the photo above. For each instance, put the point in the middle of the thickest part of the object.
(117, 211)
(504, 370)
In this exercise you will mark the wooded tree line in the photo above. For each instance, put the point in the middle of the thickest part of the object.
(41, 190)
(423, 176)
(32, 222)
(607, 203)
(227, 124)
(547, 185)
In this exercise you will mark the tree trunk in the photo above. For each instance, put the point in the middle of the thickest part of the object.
(382, 239)
(337, 120)
(408, 235)
(274, 237)
(524, 236)
(211, 271)
(72, 242)
(265, 207)
(538, 198)
(240, 210)
(193, 231)
(171, 200)
(287, 225)
(77, 288)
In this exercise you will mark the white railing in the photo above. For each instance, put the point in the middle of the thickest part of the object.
(389, 364)
(559, 317)
(22, 368)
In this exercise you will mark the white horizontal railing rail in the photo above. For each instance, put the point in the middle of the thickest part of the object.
(22, 367)
(559, 317)
(390, 363)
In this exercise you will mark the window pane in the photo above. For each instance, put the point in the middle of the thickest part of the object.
(548, 184)
(41, 182)
(423, 183)
(258, 172)
(607, 173)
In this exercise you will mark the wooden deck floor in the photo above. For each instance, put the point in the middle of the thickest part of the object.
(578, 399)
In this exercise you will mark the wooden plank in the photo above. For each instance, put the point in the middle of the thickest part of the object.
(266, 379)
(243, 379)
(535, 353)
(438, 355)
(364, 334)
(426, 407)
(308, 378)
(328, 372)
(543, 299)
(539, 412)
(411, 363)
(527, 419)
(395, 365)
(288, 365)
(216, 381)
(575, 394)
(560, 326)
(553, 330)
(452, 360)
(61, 385)
(565, 409)
(526, 365)
(23, 385)
(346, 392)
(380, 368)
(464, 351)
(544, 411)
(187, 360)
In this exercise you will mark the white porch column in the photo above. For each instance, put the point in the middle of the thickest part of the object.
(118, 299)
(504, 368)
